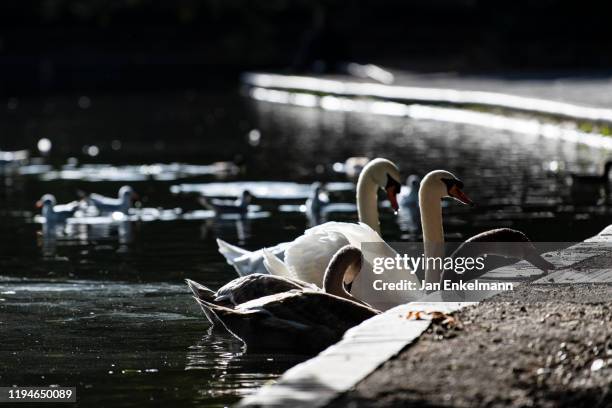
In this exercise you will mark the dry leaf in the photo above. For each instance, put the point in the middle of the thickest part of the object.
(435, 317)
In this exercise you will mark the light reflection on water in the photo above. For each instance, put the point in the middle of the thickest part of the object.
(94, 297)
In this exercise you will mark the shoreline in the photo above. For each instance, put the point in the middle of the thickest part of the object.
(541, 345)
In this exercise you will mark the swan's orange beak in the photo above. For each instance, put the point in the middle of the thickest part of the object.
(392, 196)
(39, 204)
(459, 195)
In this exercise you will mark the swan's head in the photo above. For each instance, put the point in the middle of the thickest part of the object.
(46, 204)
(385, 174)
(246, 197)
(46, 201)
(127, 194)
(441, 183)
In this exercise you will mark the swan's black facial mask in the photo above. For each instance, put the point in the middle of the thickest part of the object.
(454, 188)
(393, 188)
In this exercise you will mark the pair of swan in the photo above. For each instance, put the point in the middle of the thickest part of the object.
(280, 313)
(308, 255)
(59, 213)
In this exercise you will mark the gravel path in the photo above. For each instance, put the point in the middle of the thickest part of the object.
(537, 346)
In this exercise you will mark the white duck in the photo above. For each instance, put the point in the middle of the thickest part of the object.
(56, 213)
(106, 205)
(323, 241)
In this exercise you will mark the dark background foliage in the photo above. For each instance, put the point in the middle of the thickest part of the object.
(76, 44)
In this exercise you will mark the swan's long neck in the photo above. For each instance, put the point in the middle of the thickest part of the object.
(367, 201)
(433, 232)
(334, 276)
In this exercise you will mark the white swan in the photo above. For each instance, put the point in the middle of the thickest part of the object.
(436, 185)
(319, 244)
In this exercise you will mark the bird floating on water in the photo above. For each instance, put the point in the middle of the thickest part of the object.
(303, 319)
(238, 206)
(410, 195)
(57, 213)
(106, 205)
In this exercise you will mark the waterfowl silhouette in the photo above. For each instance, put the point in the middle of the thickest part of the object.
(56, 213)
(301, 320)
(238, 206)
(410, 193)
(106, 205)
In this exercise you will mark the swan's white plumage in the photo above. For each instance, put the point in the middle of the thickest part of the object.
(275, 266)
(247, 262)
(308, 255)
(231, 252)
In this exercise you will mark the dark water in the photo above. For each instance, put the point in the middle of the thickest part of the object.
(103, 307)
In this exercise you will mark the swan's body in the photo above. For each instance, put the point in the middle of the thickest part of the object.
(56, 213)
(303, 322)
(246, 288)
(238, 206)
(302, 319)
(323, 241)
(106, 205)
(504, 242)
(344, 266)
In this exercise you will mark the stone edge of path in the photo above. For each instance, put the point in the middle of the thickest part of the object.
(364, 348)
(427, 95)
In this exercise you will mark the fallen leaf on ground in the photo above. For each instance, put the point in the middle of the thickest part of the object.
(435, 317)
